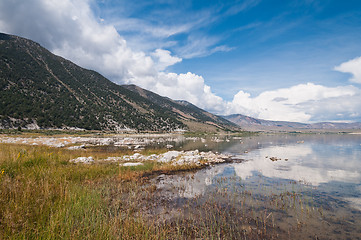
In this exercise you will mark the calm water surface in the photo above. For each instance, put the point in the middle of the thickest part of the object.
(309, 185)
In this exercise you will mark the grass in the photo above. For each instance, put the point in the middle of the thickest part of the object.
(40, 189)
(43, 196)
(229, 210)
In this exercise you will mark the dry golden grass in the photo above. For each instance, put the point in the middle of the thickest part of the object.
(44, 196)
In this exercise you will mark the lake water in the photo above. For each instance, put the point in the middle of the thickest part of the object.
(298, 186)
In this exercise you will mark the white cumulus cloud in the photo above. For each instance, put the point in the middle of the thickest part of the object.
(300, 103)
(70, 29)
(164, 59)
(354, 67)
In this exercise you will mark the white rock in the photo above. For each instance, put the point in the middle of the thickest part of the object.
(86, 160)
(189, 159)
(192, 153)
(152, 157)
(130, 164)
(169, 156)
(136, 156)
(76, 147)
(113, 159)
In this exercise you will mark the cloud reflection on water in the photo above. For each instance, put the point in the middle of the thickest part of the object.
(303, 164)
(188, 185)
(320, 160)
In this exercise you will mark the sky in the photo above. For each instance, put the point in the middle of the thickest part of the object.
(296, 60)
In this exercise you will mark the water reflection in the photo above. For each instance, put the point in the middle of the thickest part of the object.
(323, 171)
(329, 162)
(302, 162)
(188, 185)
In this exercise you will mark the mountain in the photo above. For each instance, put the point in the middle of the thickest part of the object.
(41, 90)
(188, 113)
(254, 124)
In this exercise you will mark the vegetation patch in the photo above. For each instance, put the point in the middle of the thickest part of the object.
(44, 196)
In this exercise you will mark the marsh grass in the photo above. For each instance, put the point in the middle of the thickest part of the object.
(43, 196)
(230, 210)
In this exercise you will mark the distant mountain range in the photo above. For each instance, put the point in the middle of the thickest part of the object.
(41, 90)
(254, 124)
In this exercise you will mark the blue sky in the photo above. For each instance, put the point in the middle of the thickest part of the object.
(263, 44)
(279, 60)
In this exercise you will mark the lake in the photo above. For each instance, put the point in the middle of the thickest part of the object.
(287, 186)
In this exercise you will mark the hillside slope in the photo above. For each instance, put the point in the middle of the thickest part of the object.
(185, 111)
(40, 89)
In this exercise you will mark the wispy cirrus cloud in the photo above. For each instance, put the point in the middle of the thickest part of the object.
(177, 27)
(241, 6)
(200, 46)
(134, 25)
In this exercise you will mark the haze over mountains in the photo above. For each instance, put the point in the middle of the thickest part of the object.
(41, 90)
(254, 124)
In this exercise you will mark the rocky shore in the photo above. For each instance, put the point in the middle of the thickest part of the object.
(137, 143)
(73, 143)
(131, 141)
(174, 157)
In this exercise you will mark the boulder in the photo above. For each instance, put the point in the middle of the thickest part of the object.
(85, 160)
(169, 156)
